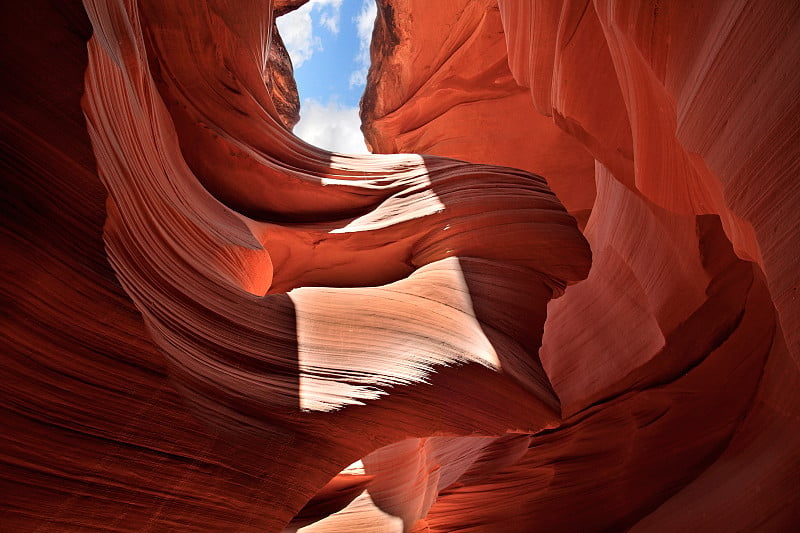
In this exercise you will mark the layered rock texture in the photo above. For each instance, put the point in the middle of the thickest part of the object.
(211, 325)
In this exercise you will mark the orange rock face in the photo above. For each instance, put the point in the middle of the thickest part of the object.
(682, 253)
(208, 320)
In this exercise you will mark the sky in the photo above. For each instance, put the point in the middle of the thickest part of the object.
(328, 41)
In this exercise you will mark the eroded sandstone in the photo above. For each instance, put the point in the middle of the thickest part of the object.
(208, 320)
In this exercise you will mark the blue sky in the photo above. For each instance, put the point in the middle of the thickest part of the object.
(328, 41)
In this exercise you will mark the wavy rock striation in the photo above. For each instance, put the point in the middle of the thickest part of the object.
(208, 320)
(673, 339)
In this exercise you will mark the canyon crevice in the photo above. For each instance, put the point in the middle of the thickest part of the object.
(560, 295)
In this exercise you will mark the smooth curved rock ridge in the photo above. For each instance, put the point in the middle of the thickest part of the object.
(433, 91)
(429, 217)
(269, 329)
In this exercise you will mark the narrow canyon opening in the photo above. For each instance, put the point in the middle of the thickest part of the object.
(328, 42)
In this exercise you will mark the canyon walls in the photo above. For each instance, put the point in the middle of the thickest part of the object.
(211, 324)
(680, 108)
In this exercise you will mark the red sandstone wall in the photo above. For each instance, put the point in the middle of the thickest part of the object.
(207, 319)
(655, 94)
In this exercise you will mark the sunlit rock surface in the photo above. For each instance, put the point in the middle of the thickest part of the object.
(211, 325)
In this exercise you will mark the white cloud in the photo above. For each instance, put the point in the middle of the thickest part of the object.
(329, 14)
(297, 28)
(332, 127)
(365, 20)
(298, 35)
(330, 22)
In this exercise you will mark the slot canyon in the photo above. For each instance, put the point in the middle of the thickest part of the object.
(561, 293)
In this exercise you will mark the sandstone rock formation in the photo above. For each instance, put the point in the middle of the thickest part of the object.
(208, 320)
